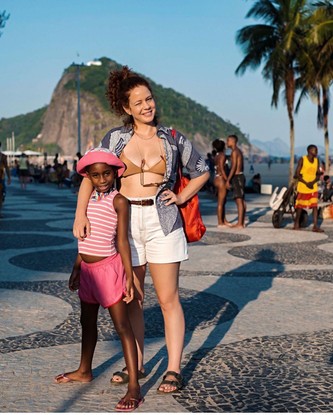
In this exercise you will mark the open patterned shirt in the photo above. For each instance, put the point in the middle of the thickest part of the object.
(177, 149)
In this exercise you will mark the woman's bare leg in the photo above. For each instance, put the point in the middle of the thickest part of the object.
(221, 201)
(165, 278)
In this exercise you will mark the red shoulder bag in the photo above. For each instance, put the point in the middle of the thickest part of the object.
(193, 225)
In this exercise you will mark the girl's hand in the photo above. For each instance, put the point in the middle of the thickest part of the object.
(74, 280)
(129, 291)
(81, 227)
(170, 197)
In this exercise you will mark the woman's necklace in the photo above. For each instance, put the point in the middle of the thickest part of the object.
(143, 161)
(145, 138)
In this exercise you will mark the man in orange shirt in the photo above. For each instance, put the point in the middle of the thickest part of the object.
(308, 173)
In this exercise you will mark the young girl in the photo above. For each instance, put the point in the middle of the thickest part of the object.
(103, 275)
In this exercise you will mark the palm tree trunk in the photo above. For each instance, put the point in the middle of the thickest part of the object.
(290, 97)
(292, 148)
(326, 135)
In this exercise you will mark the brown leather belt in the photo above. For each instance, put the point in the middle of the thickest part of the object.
(143, 202)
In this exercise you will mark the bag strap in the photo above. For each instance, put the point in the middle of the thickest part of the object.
(173, 134)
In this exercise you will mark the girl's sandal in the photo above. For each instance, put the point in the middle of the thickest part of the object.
(178, 383)
(136, 404)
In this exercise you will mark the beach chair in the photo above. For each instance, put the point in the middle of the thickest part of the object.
(283, 202)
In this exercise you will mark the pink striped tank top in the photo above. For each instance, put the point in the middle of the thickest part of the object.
(103, 221)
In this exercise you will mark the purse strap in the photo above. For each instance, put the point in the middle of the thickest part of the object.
(173, 134)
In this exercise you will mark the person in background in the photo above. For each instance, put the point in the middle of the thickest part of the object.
(211, 164)
(236, 179)
(23, 167)
(4, 169)
(254, 185)
(220, 181)
(152, 154)
(74, 179)
(327, 191)
(56, 160)
(307, 173)
(322, 169)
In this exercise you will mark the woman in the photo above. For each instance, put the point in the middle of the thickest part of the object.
(151, 155)
(220, 182)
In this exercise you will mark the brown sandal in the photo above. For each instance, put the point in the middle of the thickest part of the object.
(178, 383)
(125, 378)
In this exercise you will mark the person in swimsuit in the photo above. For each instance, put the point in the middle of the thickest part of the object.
(236, 179)
(308, 173)
(220, 182)
(152, 154)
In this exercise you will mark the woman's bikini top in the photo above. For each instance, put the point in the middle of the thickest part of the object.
(131, 168)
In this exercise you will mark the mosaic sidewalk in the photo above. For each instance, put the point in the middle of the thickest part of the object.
(257, 302)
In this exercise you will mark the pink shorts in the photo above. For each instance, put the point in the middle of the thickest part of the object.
(103, 282)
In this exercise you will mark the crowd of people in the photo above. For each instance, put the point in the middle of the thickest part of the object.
(57, 172)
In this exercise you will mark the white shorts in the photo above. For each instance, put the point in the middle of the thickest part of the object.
(147, 240)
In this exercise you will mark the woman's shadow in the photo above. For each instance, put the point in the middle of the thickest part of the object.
(240, 285)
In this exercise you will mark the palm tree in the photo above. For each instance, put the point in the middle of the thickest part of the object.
(3, 19)
(314, 81)
(318, 73)
(277, 44)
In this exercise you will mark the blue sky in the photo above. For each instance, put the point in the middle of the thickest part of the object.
(188, 45)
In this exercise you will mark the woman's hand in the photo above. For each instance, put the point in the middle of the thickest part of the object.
(81, 227)
(169, 197)
(192, 188)
(129, 291)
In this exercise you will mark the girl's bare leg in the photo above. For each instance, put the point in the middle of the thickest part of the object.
(89, 313)
(119, 315)
(165, 278)
(135, 312)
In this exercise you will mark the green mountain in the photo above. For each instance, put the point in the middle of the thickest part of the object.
(58, 121)
(26, 127)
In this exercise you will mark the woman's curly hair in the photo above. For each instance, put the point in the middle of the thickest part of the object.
(121, 82)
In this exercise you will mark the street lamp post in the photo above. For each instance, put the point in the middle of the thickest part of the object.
(78, 109)
(90, 63)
